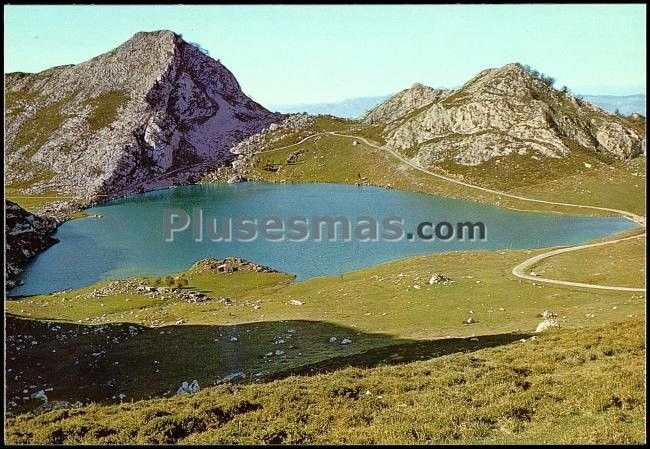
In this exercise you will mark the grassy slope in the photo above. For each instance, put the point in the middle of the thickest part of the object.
(375, 307)
(620, 186)
(32, 203)
(336, 159)
(588, 386)
(605, 263)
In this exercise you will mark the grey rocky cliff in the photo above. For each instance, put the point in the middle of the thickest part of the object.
(498, 113)
(25, 236)
(152, 112)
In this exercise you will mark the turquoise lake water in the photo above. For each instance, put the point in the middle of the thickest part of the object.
(128, 239)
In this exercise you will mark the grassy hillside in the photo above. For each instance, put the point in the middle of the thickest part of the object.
(621, 186)
(330, 158)
(144, 347)
(33, 203)
(584, 386)
(622, 264)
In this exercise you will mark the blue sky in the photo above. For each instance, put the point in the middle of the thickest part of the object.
(303, 54)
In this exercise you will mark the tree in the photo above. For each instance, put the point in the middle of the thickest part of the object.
(200, 48)
(548, 80)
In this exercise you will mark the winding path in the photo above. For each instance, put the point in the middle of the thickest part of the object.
(520, 270)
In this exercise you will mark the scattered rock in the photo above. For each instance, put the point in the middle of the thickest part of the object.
(190, 388)
(232, 376)
(294, 156)
(40, 395)
(546, 325)
(438, 278)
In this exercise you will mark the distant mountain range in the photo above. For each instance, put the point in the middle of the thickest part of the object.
(626, 104)
(356, 107)
(349, 108)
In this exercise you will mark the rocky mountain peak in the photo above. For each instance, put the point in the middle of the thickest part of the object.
(501, 112)
(126, 120)
(513, 68)
(146, 41)
(419, 86)
(509, 80)
(158, 35)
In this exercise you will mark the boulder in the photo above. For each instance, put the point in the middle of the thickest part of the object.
(232, 376)
(188, 388)
(40, 395)
(547, 314)
(438, 278)
(546, 325)
(294, 156)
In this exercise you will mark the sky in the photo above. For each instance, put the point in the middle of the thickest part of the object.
(308, 54)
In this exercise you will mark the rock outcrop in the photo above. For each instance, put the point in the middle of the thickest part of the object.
(404, 103)
(502, 112)
(152, 112)
(25, 236)
(229, 265)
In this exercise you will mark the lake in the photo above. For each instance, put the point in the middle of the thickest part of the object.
(128, 239)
